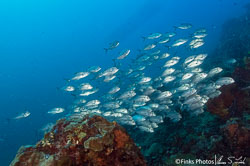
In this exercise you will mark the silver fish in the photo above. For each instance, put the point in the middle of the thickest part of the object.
(112, 105)
(231, 61)
(149, 47)
(169, 34)
(142, 98)
(109, 71)
(164, 95)
(189, 93)
(108, 113)
(163, 41)
(155, 53)
(184, 87)
(189, 59)
(94, 69)
(193, 99)
(184, 26)
(199, 77)
(145, 111)
(109, 78)
(23, 115)
(224, 81)
(80, 75)
(153, 36)
(195, 106)
(200, 35)
(214, 94)
(85, 86)
(195, 41)
(144, 80)
(200, 57)
(146, 129)
(124, 54)
(179, 42)
(122, 110)
(80, 101)
(154, 105)
(214, 71)
(149, 90)
(168, 79)
(127, 95)
(56, 110)
(116, 114)
(168, 71)
(92, 103)
(112, 45)
(87, 93)
(197, 45)
(174, 116)
(194, 63)
(156, 119)
(114, 90)
(187, 76)
(68, 88)
(170, 63)
(164, 55)
(196, 70)
(138, 118)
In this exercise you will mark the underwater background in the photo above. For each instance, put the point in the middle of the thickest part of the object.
(42, 43)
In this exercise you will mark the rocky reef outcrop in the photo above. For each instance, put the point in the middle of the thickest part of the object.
(78, 141)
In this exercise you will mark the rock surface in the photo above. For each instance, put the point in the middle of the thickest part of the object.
(79, 141)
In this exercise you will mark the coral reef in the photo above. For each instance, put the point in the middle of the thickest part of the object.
(82, 141)
(233, 105)
(237, 137)
(224, 128)
(232, 102)
(247, 61)
(221, 105)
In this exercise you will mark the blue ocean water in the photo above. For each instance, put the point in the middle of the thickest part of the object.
(44, 42)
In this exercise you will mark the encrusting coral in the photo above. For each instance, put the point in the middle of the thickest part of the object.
(82, 141)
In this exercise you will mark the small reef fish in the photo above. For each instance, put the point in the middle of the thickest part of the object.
(56, 110)
(112, 46)
(23, 115)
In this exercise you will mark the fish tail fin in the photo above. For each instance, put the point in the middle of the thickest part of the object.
(8, 120)
(175, 27)
(168, 47)
(114, 61)
(144, 38)
(94, 78)
(67, 79)
(74, 95)
(182, 106)
(188, 47)
(106, 50)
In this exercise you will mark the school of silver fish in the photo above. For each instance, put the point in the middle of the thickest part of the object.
(160, 83)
